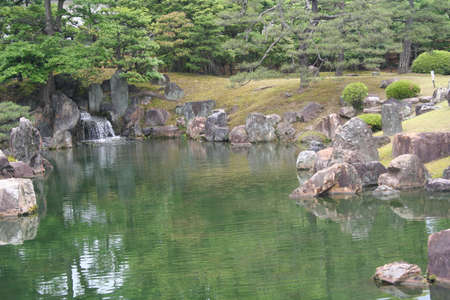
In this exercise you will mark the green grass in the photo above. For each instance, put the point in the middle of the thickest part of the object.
(437, 167)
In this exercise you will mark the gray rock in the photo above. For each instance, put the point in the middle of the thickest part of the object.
(285, 132)
(425, 99)
(446, 174)
(439, 256)
(398, 273)
(22, 170)
(381, 141)
(385, 192)
(163, 81)
(95, 97)
(372, 110)
(6, 170)
(369, 172)
(26, 145)
(329, 124)
(17, 230)
(274, 119)
(438, 185)
(316, 146)
(66, 113)
(239, 135)
(181, 122)
(372, 101)
(61, 140)
(347, 112)
(191, 110)
(119, 94)
(405, 172)
(424, 108)
(337, 179)
(291, 117)
(306, 160)
(169, 131)
(173, 92)
(385, 83)
(391, 119)
(259, 128)
(196, 128)
(411, 101)
(156, 117)
(216, 129)
(17, 197)
(405, 108)
(355, 135)
(440, 94)
(310, 111)
(324, 158)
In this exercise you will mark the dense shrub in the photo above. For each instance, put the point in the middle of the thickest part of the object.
(402, 89)
(354, 94)
(436, 60)
(373, 120)
(10, 114)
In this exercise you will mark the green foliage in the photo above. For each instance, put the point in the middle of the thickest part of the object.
(402, 89)
(373, 120)
(436, 60)
(354, 94)
(10, 113)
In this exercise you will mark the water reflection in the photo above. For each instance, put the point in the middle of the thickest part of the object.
(15, 230)
(419, 206)
(440, 292)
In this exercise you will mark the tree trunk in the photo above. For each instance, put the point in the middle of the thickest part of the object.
(48, 90)
(340, 64)
(49, 28)
(58, 25)
(405, 56)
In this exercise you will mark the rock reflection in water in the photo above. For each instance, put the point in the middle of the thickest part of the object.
(355, 215)
(15, 230)
(402, 291)
(418, 206)
(439, 292)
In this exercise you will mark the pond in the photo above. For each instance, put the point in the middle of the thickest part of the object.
(187, 220)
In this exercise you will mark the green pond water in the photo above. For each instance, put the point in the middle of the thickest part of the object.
(186, 220)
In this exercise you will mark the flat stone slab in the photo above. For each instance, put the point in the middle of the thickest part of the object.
(399, 273)
(17, 197)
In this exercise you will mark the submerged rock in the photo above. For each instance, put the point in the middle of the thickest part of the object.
(385, 192)
(17, 197)
(399, 273)
(337, 179)
(439, 256)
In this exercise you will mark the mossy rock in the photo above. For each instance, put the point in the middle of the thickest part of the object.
(312, 135)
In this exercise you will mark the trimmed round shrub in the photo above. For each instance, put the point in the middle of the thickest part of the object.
(402, 89)
(355, 93)
(373, 120)
(436, 60)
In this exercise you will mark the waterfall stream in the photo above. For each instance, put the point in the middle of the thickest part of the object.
(94, 128)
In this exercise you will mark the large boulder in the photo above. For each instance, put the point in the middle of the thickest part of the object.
(440, 94)
(238, 135)
(438, 185)
(17, 197)
(156, 117)
(369, 172)
(191, 110)
(274, 119)
(405, 172)
(22, 170)
(66, 113)
(95, 97)
(306, 160)
(324, 158)
(216, 129)
(310, 111)
(259, 128)
(428, 146)
(439, 256)
(26, 145)
(196, 128)
(399, 273)
(168, 131)
(285, 132)
(337, 179)
(173, 92)
(61, 140)
(355, 135)
(329, 124)
(119, 93)
(391, 119)
(6, 170)
(424, 108)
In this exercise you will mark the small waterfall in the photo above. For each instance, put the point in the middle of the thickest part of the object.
(94, 128)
